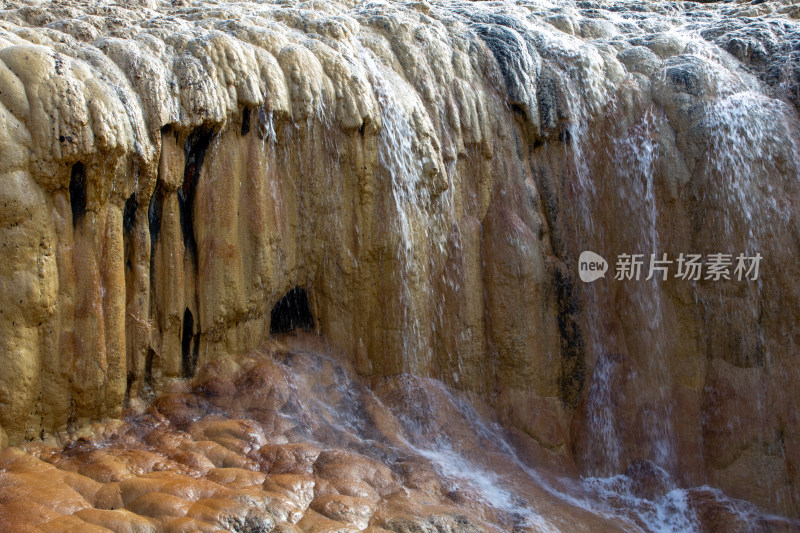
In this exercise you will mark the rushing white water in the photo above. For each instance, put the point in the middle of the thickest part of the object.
(744, 147)
(472, 456)
(419, 216)
(486, 485)
(749, 118)
(634, 157)
(409, 212)
(669, 514)
(619, 167)
(621, 129)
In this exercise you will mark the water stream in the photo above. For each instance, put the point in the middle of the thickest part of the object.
(484, 387)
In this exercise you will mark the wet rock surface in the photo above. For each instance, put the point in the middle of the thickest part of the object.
(426, 175)
(332, 455)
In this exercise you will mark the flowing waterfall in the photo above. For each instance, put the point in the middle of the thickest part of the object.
(420, 179)
(634, 158)
(417, 219)
(409, 212)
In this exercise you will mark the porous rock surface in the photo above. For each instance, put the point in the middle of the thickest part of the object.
(428, 173)
(285, 439)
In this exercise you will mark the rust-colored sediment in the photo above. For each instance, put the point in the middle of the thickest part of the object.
(286, 439)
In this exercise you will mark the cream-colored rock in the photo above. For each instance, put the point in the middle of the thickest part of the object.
(428, 174)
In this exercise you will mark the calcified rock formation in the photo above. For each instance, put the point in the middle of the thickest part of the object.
(427, 174)
(285, 440)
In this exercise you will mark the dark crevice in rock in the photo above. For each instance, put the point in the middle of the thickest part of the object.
(129, 213)
(189, 345)
(291, 312)
(195, 149)
(245, 121)
(154, 213)
(573, 357)
(77, 192)
(148, 369)
(546, 96)
(572, 367)
(128, 224)
(518, 109)
(129, 379)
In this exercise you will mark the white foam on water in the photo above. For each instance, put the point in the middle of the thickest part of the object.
(670, 514)
(463, 473)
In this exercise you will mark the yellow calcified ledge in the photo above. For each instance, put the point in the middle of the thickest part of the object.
(428, 174)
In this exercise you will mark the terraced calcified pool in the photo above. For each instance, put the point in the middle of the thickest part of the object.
(287, 439)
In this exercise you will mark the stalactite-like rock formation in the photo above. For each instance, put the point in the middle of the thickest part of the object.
(417, 181)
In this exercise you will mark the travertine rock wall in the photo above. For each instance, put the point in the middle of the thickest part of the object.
(429, 174)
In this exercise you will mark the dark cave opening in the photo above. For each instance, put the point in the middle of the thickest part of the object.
(291, 312)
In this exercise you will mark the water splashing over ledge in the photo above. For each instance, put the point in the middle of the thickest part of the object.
(425, 176)
(288, 435)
